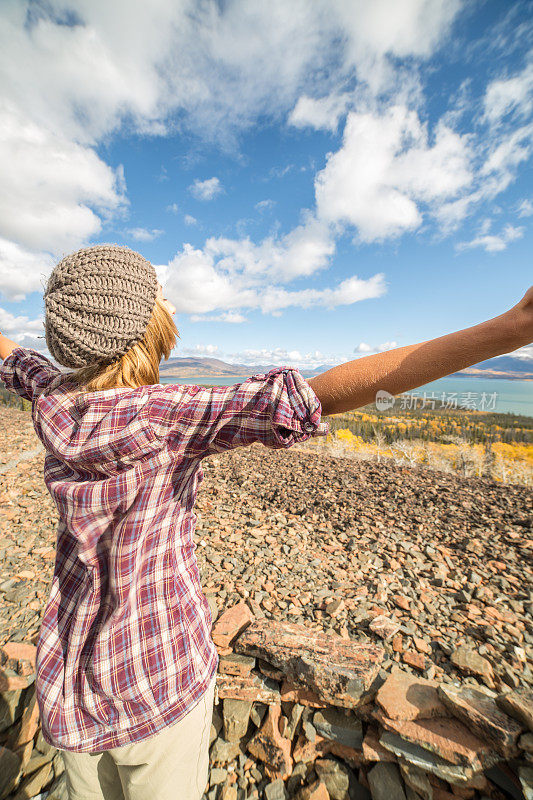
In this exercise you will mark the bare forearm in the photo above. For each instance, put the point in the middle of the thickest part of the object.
(6, 346)
(355, 383)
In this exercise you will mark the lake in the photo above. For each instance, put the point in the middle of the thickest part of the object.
(481, 394)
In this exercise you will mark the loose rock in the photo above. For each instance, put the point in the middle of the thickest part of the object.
(472, 663)
(482, 715)
(270, 747)
(385, 782)
(332, 724)
(236, 714)
(518, 706)
(384, 627)
(230, 624)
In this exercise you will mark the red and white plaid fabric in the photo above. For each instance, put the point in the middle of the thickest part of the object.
(125, 645)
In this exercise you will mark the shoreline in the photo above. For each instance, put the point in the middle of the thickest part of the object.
(479, 374)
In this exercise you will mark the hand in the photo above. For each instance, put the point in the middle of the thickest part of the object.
(522, 317)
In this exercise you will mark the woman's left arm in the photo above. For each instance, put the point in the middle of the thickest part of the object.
(355, 384)
(6, 346)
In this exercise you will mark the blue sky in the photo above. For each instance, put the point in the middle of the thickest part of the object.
(313, 181)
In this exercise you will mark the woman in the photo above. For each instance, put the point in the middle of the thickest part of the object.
(125, 661)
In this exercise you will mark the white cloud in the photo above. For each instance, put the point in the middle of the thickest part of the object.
(190, 220)
(492, 243)
(496, 158)
(506, 154)
(50, 186)
(194, 285)
(214, 70)
(21, 271)
(452, 213)
(265, 205)
(21, 329)
(351, 290)
(525, 209)
(280, 356)
(382, 28)
(206, 190)
(363, 348)
(323, 112)
(9, 323)
(510, 95)
(72, 77)
(525, 353)
(301, 252)
(144, 235)
(280, 172)
(200, 350)
(230, 274)
(173, 208)
(224, 65)
(385, 169)
(227, 316)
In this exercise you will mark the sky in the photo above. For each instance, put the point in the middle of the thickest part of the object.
(314, 181)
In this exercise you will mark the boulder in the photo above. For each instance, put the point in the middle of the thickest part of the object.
(236, 664)
(315, 791)
(275, 790)
(426, 760)
(9, 770)
(338, 670)
(384, 627)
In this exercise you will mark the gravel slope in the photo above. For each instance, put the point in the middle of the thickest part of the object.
(331, 542)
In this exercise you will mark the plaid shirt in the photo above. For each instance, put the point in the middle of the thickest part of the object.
(125, 644)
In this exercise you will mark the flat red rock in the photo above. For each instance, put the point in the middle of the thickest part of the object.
(407, 697)
(230, 624)
(338, 670)
(446, 737)
(253, 687)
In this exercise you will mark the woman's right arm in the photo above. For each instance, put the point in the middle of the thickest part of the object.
(355, 383)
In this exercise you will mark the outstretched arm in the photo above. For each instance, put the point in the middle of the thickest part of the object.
(6, 346)
(355, 383)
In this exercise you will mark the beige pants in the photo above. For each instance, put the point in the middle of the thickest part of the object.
(171, 765)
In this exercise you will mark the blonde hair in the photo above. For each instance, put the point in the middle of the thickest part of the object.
(140, 365)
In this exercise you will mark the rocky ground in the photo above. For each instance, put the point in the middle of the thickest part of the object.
(435, 567)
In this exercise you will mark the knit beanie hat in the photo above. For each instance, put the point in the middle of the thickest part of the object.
(98, 302)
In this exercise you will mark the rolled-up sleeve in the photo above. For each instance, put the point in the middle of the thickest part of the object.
(277, 409)
(27, 372)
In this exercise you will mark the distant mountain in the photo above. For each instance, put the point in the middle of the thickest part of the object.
(207, 367)
(508, 367)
